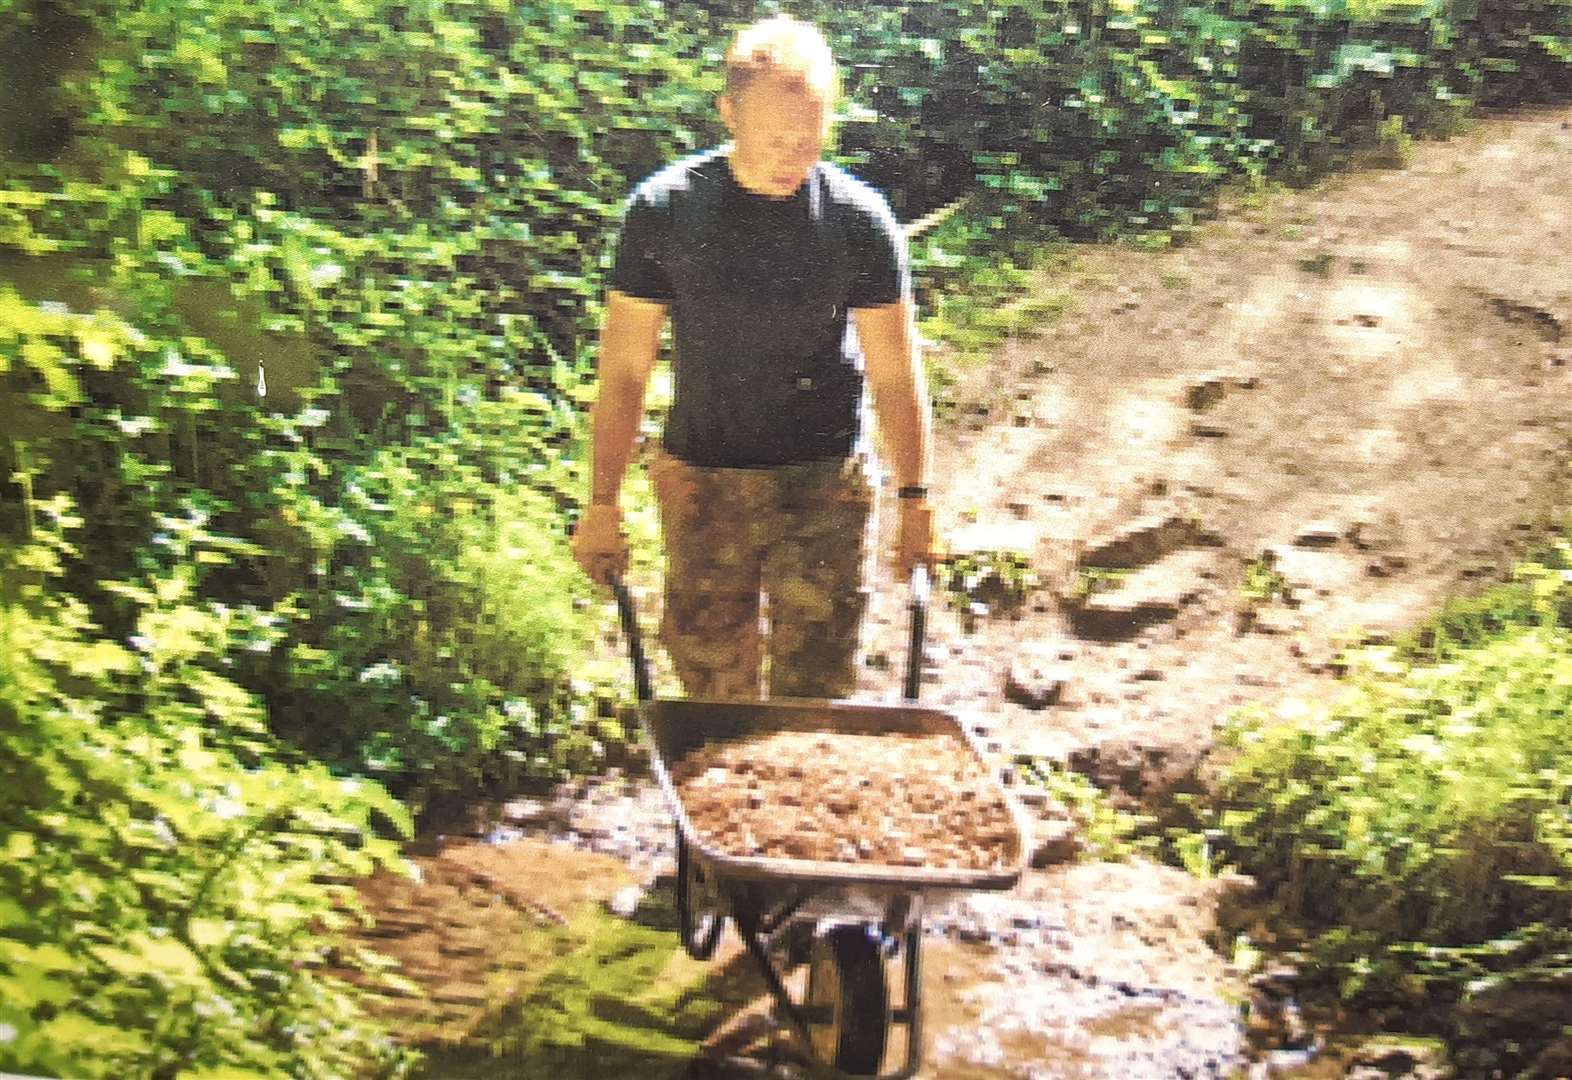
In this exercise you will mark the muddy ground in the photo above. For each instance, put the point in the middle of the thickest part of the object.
(1333, 410)
(1368, 380)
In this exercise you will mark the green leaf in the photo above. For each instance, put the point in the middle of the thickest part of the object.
(45, 957)
(72, 1030)
(208, 933)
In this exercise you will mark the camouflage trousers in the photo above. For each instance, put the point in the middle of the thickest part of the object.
(782, 546)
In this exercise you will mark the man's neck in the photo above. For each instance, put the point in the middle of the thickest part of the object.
(747, 188)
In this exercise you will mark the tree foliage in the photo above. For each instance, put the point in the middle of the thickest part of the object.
(354, 250)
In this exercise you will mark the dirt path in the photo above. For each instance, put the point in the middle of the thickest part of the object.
(1367, 382)
(1354, 399)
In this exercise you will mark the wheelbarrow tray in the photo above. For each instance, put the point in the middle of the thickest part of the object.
(674, 728)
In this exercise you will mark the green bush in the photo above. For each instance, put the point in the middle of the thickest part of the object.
(1420, 828)
(348, 256)
(1099, 117)
(172, 882)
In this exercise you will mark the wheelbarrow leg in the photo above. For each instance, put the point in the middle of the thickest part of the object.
(902, 929)
(745, 910)
(910, 1012)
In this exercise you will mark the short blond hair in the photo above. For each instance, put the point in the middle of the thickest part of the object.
(782, 47)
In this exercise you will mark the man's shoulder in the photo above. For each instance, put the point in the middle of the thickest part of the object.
(680, 178)
(861, 199)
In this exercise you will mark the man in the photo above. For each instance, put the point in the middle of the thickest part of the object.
(788, 287)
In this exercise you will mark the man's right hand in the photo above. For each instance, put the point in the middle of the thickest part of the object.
(599, 546)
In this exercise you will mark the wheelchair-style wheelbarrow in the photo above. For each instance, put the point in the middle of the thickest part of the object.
(859, 917)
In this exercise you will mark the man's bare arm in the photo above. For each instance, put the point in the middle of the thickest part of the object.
(902, 412)
(629, 345)
(899, 390)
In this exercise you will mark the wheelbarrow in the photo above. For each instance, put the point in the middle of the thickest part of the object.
(855, 921)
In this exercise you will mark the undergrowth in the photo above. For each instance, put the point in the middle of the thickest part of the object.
(1414, 836)
(173, 879)
(1104, 831)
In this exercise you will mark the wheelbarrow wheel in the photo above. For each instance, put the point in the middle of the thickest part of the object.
(699, 918)
(848, 1000)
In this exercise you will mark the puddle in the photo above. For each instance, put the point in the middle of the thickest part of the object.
(1001, 1014)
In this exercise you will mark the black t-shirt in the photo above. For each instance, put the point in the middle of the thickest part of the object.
(767, 369)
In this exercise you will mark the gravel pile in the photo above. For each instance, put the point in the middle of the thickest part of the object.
(901, 800)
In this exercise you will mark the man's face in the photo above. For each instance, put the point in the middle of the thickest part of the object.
(779, 128)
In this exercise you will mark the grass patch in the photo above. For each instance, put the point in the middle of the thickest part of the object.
(988, 581)
(624, 1000)
(1263, 582)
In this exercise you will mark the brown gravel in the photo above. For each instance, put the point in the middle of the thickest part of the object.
(903, 800)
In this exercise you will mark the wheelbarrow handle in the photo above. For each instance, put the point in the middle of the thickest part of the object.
(642, 686)
(630, 630)
(919, 629)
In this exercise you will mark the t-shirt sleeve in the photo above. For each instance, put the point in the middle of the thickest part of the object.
(881, 273)
(642, 245)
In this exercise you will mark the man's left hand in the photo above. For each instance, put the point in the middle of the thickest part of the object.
(915, 542)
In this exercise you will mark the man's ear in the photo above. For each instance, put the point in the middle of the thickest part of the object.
(727, 112)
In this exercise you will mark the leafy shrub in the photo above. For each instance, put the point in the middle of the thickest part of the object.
(352, 254)
(171, 881)
(1419, 828)
(1099, 118)
(1104, 831)
(458, 620)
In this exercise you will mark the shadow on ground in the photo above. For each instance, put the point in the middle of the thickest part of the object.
(625, 1002)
